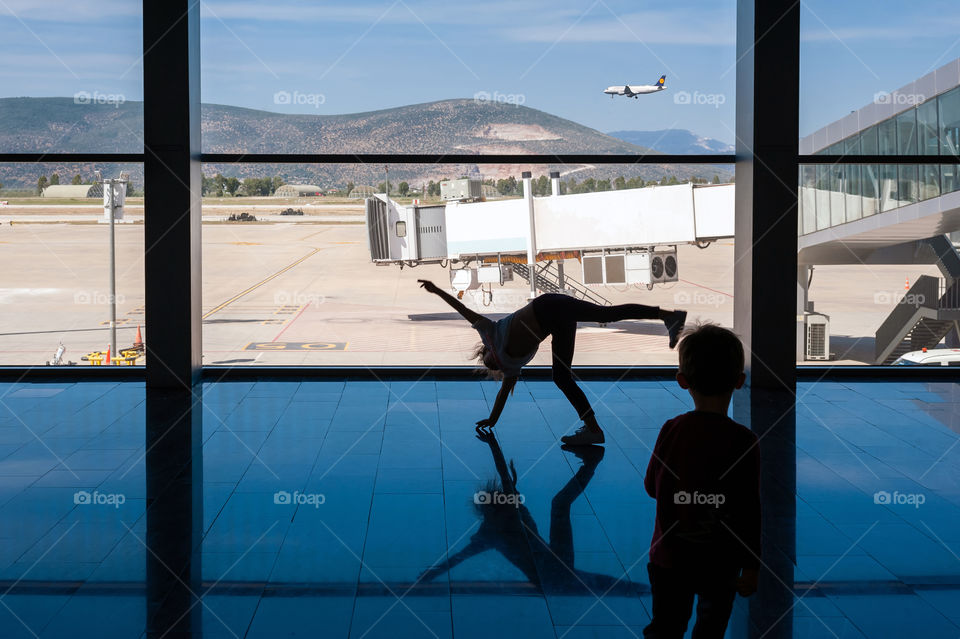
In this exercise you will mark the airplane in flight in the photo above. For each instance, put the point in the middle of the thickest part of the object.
(637, 89)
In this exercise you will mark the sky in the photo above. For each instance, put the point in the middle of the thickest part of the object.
(556, 56)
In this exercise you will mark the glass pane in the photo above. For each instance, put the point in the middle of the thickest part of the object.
(927, 128)
(72, 77)
(888, 187)
(868, 142)
(908, 188)
(808, 198)
(823, 197)
(871, 189)
(56, 254)
(907, 132)
(930, 181)
(421, 77)
(304, 288)
(887, 133)
(950, 122)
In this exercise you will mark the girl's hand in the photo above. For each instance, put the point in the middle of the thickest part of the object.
(485, 423)
(428, 286)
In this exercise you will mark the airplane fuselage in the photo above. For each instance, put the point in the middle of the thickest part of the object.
(633, 89)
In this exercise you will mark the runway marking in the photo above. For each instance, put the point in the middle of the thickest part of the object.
(233, 299)
(296, 346)
(290, 323)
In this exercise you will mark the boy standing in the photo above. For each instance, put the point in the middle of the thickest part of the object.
(705, 475)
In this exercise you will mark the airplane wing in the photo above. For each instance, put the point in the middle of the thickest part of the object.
(626, 91)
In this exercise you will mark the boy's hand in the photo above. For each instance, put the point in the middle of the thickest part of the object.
(428, 286)
(486, 424)
(747, 582)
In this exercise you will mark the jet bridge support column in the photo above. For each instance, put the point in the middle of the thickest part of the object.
(803, 305)
(531, 235)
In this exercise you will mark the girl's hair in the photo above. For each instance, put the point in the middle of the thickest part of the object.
(479, 353)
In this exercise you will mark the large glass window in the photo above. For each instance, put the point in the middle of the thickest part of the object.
(421, 77)
(72, 77)
(56, 291)
(870, 172)
(296, 273)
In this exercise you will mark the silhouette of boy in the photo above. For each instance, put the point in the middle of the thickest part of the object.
(705, 475)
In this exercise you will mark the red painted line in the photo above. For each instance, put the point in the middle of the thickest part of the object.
(730, 295)
(290, 323)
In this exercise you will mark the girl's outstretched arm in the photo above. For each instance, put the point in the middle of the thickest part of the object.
(467, 314)
(506, 388)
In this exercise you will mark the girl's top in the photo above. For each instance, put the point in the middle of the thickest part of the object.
(494, 337)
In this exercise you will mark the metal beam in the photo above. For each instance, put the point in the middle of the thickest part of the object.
(171, 166)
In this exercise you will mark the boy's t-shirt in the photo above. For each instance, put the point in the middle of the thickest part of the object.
(705, 475)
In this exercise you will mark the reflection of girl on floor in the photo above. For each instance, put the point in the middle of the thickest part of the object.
(508, 527)
(508, 344)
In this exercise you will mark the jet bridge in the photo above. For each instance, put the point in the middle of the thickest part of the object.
(621, 237)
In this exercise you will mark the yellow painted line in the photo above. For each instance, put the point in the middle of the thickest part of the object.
(233, 299)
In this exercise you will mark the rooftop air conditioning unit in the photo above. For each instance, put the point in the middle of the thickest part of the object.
(816, 328)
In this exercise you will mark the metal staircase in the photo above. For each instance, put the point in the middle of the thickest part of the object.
(549, 281)
(928, 312)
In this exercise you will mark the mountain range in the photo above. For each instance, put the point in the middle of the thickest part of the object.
(459, 126)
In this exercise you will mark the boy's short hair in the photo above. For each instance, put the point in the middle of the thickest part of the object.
(711, 358)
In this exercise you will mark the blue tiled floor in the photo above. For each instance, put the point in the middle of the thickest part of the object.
(347, 509)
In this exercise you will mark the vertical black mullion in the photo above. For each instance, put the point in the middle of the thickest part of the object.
(768, 75)
(171, 129)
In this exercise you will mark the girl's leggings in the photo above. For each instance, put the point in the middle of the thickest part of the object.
(558, 315)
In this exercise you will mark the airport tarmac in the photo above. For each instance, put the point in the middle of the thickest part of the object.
(307, 294)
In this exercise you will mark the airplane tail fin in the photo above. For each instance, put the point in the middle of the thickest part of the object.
(662, 81)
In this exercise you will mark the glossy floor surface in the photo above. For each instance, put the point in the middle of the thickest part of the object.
(373, 509)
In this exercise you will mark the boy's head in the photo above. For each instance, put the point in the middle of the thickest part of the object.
(711, 360)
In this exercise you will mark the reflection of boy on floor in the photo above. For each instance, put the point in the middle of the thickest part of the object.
(705, 476)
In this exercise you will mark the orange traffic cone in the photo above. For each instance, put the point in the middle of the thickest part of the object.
(106, 359)
(138, 343)
(906, 284)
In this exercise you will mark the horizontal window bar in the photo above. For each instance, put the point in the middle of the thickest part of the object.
(227, 373)
(455, 158)
(879, 159)
(131, 158)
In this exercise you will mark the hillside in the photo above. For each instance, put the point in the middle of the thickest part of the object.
(448, 126)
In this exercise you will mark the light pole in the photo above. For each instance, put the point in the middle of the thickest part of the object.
(110, 206)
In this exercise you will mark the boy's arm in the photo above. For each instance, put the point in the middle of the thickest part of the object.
(653, 468)
(506, 387)
(467, 314)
